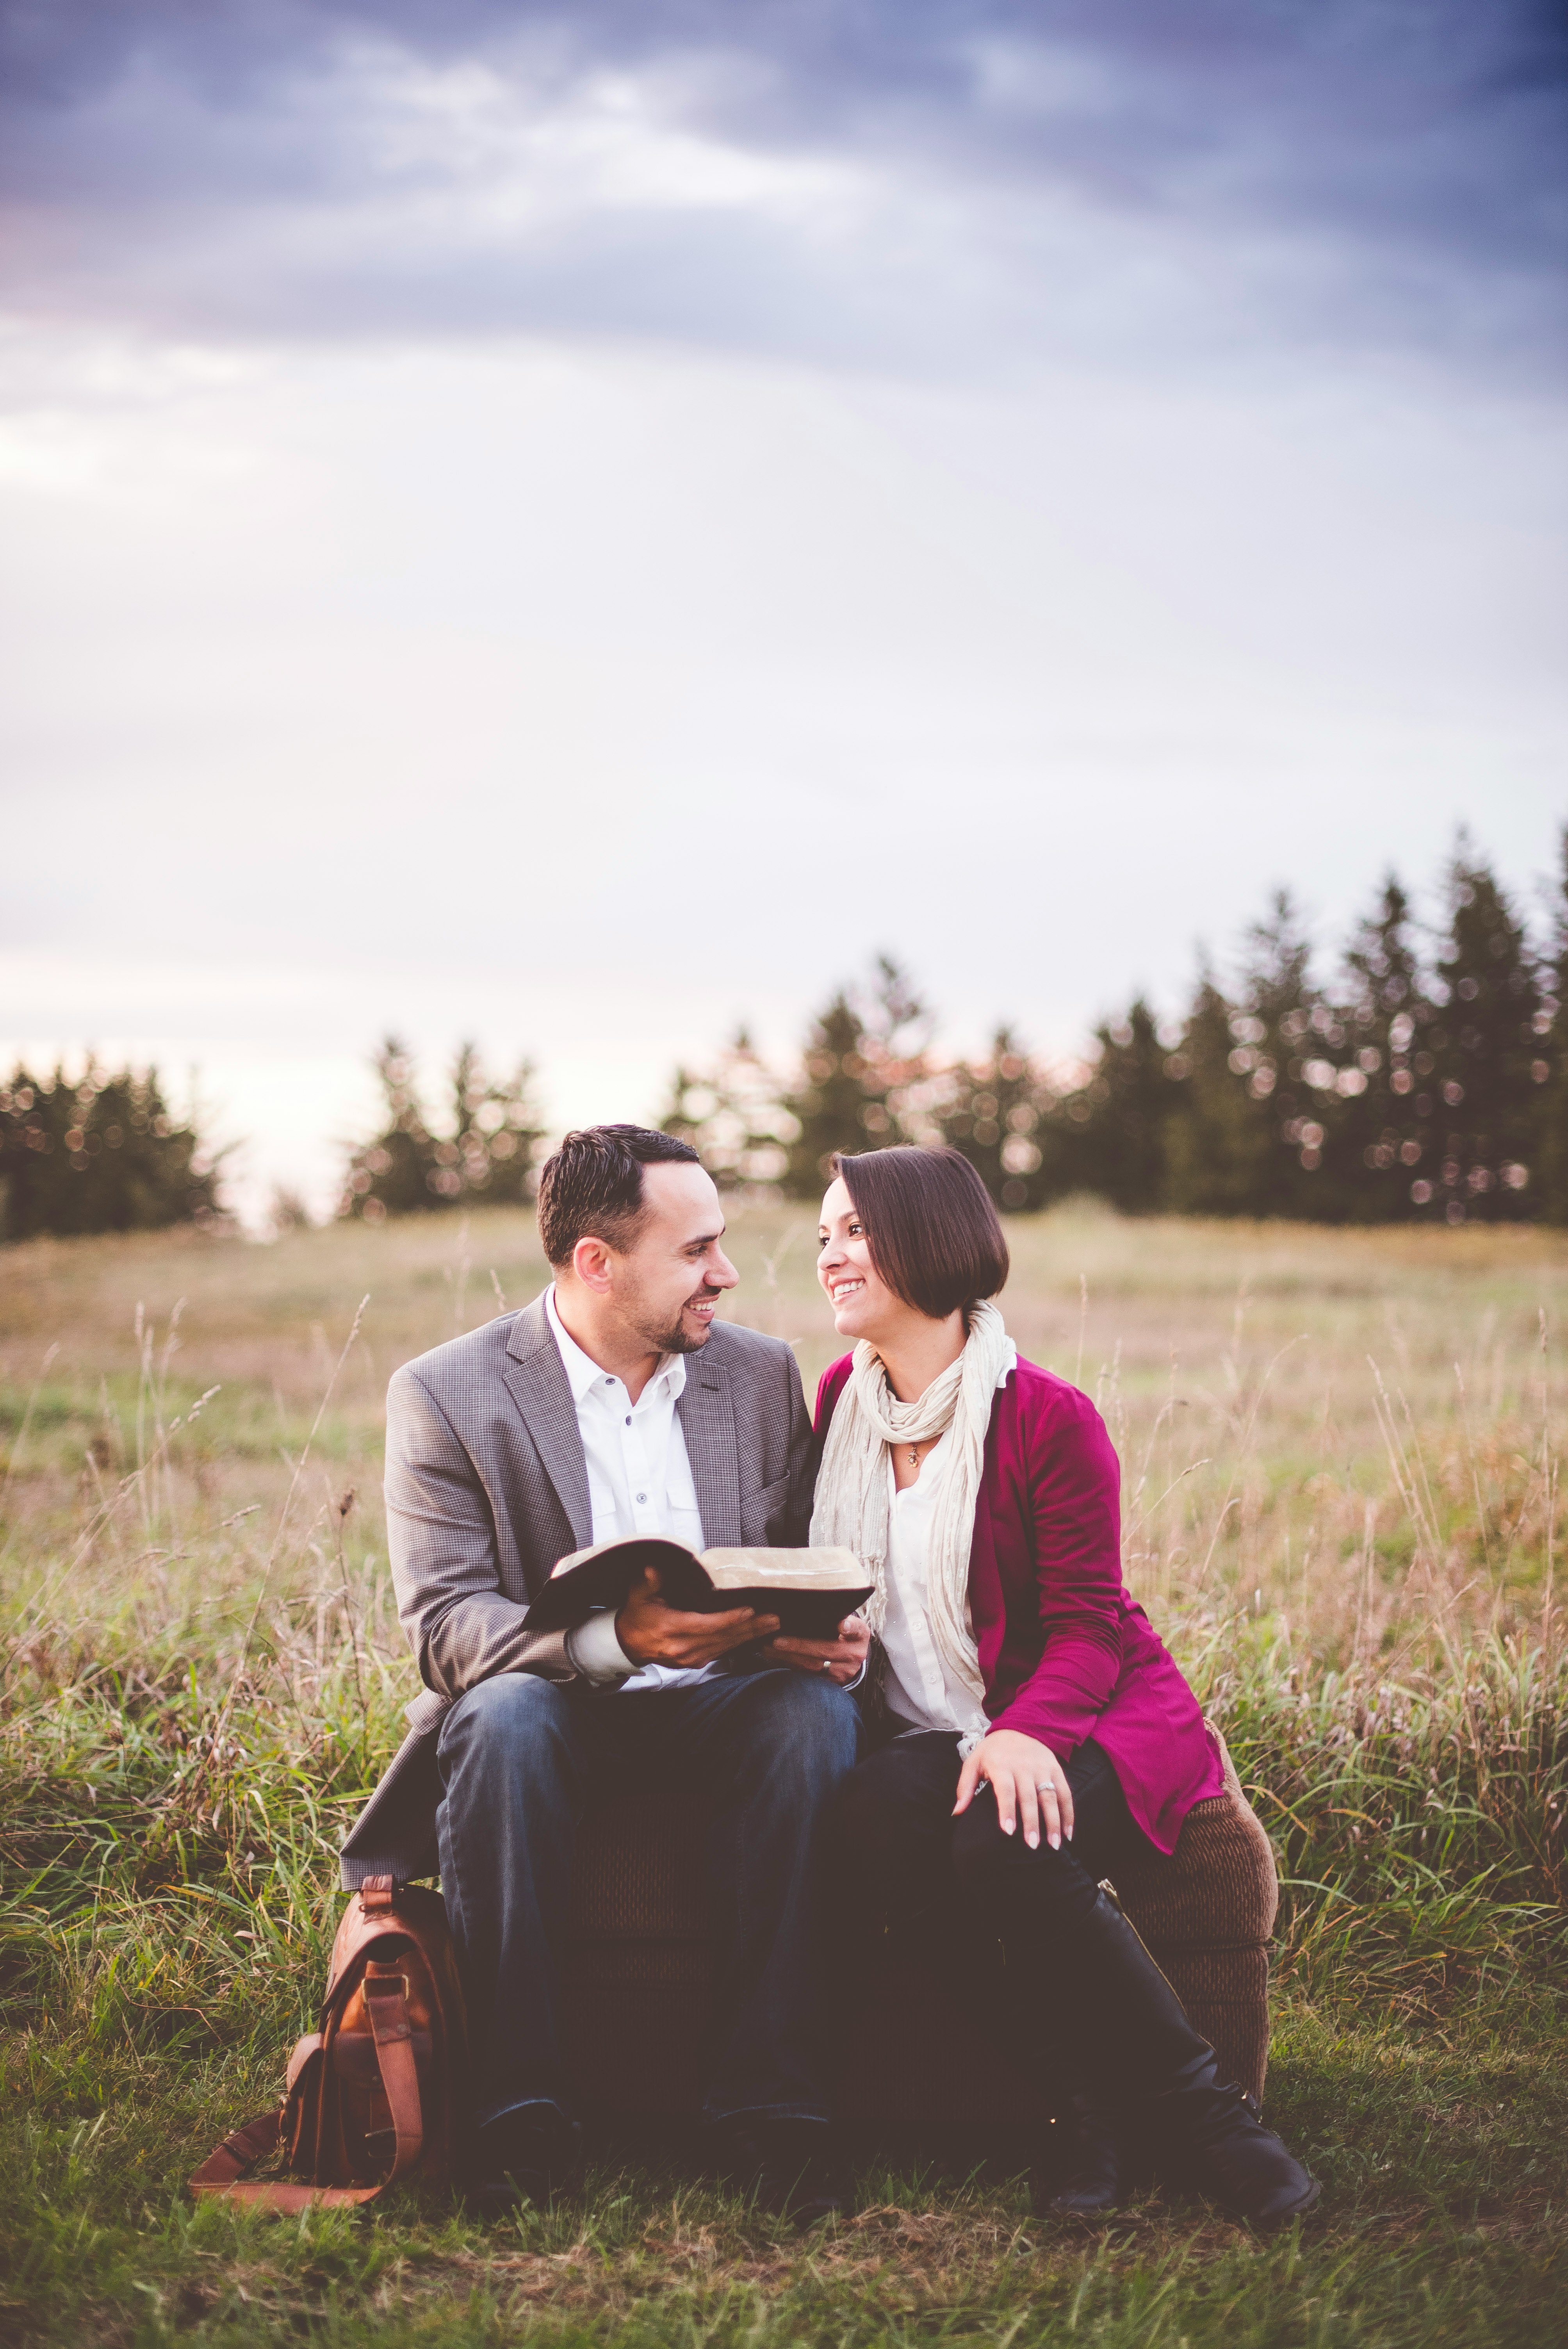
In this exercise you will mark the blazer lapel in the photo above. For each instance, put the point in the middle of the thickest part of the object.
(537, 1383)
(706, 1415)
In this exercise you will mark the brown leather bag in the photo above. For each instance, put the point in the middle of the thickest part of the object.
(375, 2096)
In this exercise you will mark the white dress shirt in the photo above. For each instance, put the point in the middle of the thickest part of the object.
(919, 1692)
(639, 1482)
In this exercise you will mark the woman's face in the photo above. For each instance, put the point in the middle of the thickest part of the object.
(863, 1305)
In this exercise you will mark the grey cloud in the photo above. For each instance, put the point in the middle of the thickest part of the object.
(1017, 177)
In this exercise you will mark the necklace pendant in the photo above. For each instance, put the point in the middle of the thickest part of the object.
(914, 1455)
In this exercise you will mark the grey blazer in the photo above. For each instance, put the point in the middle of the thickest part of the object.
(487, 1489)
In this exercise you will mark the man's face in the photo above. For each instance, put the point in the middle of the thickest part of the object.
(668, 1282)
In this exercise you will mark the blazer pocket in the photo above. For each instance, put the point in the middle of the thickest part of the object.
(763, 1509)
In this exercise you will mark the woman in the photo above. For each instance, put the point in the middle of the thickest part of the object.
(1039, 1731)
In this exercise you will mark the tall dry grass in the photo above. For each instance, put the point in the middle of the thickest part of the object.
(1343, 1508)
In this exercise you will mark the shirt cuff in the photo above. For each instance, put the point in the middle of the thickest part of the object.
(593, 1649)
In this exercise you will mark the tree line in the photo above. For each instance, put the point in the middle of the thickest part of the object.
(1423, 1078)
(100, 1153)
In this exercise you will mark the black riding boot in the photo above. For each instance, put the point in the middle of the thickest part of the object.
(1145, 2055)
(1086, 2161)
(1082, 2172)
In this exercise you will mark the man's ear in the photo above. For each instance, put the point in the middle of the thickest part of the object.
(591, 1265)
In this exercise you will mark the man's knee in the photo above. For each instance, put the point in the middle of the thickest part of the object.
(799, 1733)
(813, 1726)
(514, 1720)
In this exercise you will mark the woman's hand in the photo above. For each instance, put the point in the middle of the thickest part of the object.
(1028, 1782)
(841, 1660)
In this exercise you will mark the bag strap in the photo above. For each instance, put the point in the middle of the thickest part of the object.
(386, 2004)
(220, 2173)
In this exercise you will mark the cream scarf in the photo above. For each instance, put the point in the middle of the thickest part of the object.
(853, 1507)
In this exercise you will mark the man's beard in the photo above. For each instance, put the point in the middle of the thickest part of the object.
(675, 1340)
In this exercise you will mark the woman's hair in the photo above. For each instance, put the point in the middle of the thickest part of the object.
(932, 1231)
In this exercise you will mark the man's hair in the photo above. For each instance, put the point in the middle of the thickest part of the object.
(931, 1229)
(592, 1186)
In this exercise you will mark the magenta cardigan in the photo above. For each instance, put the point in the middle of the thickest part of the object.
(1066, 1652)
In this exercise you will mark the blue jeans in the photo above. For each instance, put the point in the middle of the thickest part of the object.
(760, 1753)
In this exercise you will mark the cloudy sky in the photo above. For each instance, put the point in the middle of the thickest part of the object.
(579, 525)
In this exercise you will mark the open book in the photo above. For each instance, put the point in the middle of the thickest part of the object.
(809, 1591)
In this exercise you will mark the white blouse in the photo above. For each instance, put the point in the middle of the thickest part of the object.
(920, 1692)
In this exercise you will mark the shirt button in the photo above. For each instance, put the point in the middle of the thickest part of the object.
(642, 1497)
(628, 1419)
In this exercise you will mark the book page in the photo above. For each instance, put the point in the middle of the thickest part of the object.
(660, 1545)
(784, 1570)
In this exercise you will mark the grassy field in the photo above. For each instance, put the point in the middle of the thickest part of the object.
(1343, 1509)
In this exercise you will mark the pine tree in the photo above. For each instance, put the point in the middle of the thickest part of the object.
(995, 1113)
(1548, 1068)
(1284, 1036)
(496, 1133)
(693, 1097)
(1490, 998)
(486, 1158)
(828, 1105)
(733, 1117)
(1109, 1134)
(393, 1174)
(1218, 1147)
(857, 1067)
(1381, 1155)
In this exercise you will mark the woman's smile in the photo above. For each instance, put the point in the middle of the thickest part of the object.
(850, 1281)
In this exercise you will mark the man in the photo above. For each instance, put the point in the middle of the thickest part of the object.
(614, 1403)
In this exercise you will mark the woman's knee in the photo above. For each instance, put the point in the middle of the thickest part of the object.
(995, 1869)
(888, 1837)
(981, 1852)
(868, 1804)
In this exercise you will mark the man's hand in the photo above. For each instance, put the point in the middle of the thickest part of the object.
(842, 1657)
(652, 1633)
(1028, 1782)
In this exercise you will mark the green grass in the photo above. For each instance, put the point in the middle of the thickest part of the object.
(202, 1674)
(1442, 2223)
